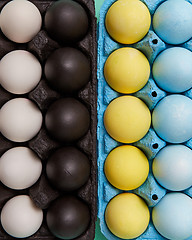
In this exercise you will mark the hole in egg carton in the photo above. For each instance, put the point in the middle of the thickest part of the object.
(154, 197)
(155, 41)
(154, 94)
(155, 145)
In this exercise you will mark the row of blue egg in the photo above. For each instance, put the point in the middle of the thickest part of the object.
(151, 94)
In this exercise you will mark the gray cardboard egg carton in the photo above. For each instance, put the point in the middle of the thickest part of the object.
(42, 192)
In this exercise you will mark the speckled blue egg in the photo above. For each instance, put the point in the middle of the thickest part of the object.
(172, 21)
(172, 118)
(172, 167)
(172, 70)
(172, 216)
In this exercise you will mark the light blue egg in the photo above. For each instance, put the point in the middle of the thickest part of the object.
(172, 216)
(172, 70)
(172, 21)
(172, 118)
(172, 167)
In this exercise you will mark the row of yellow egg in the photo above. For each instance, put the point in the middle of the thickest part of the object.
(127, 119)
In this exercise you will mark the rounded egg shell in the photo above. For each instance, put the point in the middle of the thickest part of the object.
(127, 119)
(172, 167)
(172, 216)
(126, 167)
(127, 216)
(20, 72)
(20, 21)
(127, 70)
(66, 21)
(20, 120)
(172, 117)
(68, 169)
(67, 119)
(128, 22)
(68, 217)
(172, 70)
(20, 218)
(172, 21)
(20, 168)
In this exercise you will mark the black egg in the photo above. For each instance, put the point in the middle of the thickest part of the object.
(68, 217)
(68, 169)
(66, 21)
(67, 120)
(67, 70)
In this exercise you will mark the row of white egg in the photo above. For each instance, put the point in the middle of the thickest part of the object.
(20, 71)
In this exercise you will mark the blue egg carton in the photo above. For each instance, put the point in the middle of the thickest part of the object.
(151, 45)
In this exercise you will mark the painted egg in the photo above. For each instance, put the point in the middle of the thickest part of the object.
(171, 24)
(172, 70)
(172, 118)
(128, 21)
(172, 216)
(127, 119)
(127, 216)
(172, 167)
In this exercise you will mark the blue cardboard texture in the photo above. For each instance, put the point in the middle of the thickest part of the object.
(151, 144)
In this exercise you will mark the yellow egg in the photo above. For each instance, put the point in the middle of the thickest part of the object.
(127, 216)
(127, 119)
(128, 21)
(127, 70)
(126, 167)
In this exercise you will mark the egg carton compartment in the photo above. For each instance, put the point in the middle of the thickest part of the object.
(42, 193)
(151, 191)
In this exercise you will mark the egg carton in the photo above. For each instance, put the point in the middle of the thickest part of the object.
(151, 45)
(42, 193)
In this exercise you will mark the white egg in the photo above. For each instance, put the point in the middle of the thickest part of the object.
(20, 168)
(172, 167)
(20, 21)
(172, 216)
(20, 120)
(20, 72)
(20, 218)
